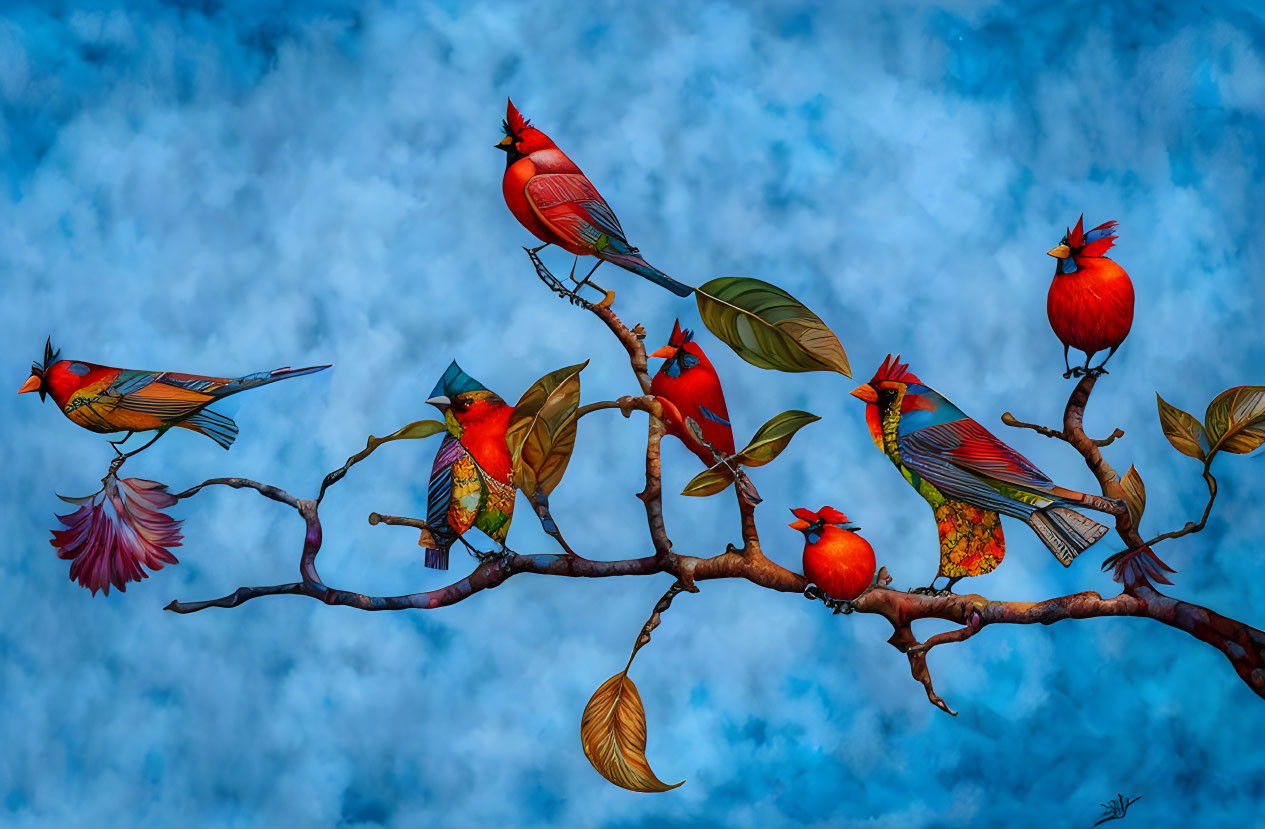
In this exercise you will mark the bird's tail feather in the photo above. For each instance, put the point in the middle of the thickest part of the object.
(1065, 531)
(631, 261)
(263, 378)
(437, 559)
(214, 425)
(436, 551)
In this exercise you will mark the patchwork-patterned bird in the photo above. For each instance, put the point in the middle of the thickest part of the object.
(552, 198)
(836, 559)
(968, 477)
(688, 388)
(105, 399)
(471, 482)
(1090, 303)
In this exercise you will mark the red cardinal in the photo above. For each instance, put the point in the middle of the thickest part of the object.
(549, 195)
(687, 386)
(1091, 299)
(836, 559)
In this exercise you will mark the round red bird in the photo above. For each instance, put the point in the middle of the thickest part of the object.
(836, 559)
(1091, 299)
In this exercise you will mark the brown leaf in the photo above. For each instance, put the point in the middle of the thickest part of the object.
(613, 733)
(768, 327)
(1182, 429)
(1235, 420)
(541, 432)
(1134, 494)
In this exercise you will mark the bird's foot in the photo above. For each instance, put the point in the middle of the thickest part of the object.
(1074, 372)
(815, 593)
(931, 590)
(1096, 371)
(501, 555)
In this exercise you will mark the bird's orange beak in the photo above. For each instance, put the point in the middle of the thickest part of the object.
(506, 143)
(665, 352)
(32, 384)
(799, 524)
(865, 392)
(1060, 252)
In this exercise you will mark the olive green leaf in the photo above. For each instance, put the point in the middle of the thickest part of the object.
(1134, 494)
(1181, 428)
(414, 431)
(1235, 420)
(613, 733)
(768, 327)
(709, 482)
(774, 436)
(541, 432)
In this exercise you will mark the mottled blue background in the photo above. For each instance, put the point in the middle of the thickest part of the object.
(223, 188)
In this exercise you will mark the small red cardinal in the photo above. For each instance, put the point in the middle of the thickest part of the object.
(1091, 299)
(836, 559)
(688, 387)
(549, 195)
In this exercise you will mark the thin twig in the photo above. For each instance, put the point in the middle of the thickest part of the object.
(267, 490)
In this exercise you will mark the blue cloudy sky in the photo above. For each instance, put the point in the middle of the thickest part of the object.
(229, 187)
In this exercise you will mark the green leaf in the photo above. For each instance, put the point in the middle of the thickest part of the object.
(1134, 494)
(1182, 429)
(542, 428)
(768, 327)
(774, 436)
(709, 482)
(613, 733)
(414, 431)
(1235, 420)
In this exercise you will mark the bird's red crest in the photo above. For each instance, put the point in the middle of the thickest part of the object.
(805, 515)
(1096, 242)
(515, 123)
(680, 336)
(893, 369)
(832, 516)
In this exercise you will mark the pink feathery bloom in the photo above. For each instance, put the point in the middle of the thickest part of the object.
(117, 532)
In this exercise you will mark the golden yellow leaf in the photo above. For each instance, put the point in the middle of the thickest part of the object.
(1235, 420)
(613, 733)
(1134, 494)
(1181, 428)
(542, 429)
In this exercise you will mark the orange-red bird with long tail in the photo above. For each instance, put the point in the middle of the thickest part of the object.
(1091, 299)
(104, 399)
(553, 199)
(836, 559)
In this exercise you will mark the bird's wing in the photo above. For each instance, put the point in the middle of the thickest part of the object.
(450, 466)
(171, 397)
(961, 457)
(571, 206)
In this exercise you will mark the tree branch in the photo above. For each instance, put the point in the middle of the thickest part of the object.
(1243, 645)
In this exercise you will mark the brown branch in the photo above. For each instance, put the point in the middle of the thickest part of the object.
(1243, 645)
(1192, 526)
(267, 490)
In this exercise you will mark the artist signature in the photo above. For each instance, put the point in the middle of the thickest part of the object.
(1116, 809)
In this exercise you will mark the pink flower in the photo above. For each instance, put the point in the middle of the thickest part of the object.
(117, 532)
